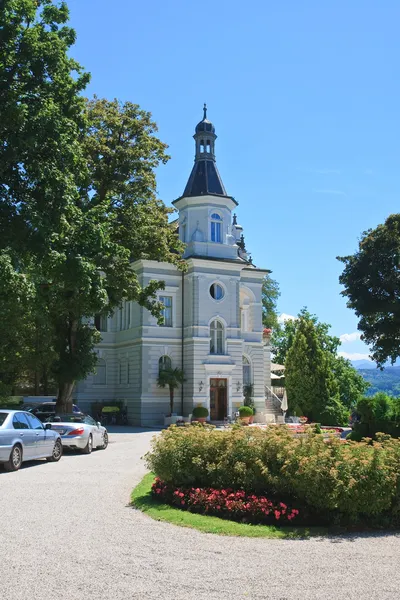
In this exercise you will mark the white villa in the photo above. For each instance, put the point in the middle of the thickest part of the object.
(212, 317)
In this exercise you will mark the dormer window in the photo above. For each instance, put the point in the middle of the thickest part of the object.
(216, 228)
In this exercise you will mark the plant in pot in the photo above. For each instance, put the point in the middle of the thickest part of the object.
(200, 414)
(248, 399)
(172, 379)
(245, 412)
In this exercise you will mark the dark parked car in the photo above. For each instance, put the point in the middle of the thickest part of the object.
(46, 409)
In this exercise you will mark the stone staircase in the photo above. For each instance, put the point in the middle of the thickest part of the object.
(272, 406)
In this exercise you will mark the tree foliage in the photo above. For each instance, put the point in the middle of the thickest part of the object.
(283, 337)
(77, 188)
(172, 379)
(310, 382)
(270, 295)
(349, 384)
(16, 295)
(371, 280)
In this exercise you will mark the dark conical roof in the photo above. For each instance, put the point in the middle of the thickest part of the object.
(204, 179)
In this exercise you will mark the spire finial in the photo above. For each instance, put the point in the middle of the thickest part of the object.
(205, 111)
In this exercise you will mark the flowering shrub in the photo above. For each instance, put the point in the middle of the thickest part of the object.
(326, 478)
(225, 503)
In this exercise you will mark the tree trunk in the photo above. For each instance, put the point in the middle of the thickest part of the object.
(45, 380)
(65, 388)
(171, 400)
(64, 398)
(37, 383)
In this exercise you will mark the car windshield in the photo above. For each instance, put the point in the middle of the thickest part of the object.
(71, 418)
(3, 417)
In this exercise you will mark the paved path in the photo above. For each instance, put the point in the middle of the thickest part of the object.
(67, 532)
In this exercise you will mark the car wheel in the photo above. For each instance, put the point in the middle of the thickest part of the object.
(57, 452)
(105, 441)
(15, 460)
(89, 446)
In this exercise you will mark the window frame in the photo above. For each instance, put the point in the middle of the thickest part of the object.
(217, 284)
(217, 338)
(162, 360)
(170, 321)
(246, 363)
(216, 224)
(102, 363)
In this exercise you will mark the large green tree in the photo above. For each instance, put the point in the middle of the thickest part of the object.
(311, 386)
(351, 384)
(270, 295)
(16, 322)
(77, 187)
(283, 336)
(371, 280)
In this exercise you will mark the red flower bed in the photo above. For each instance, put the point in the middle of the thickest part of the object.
(226, 503)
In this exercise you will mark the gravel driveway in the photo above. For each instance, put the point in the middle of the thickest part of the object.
(66, 531)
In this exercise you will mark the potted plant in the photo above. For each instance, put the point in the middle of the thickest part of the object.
(170, 378)
(200, 414)
(245, 412)
(248, 399)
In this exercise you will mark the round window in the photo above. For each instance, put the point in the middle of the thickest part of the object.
(216, 291)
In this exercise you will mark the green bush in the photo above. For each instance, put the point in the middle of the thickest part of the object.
(378, 413)
(347, 481)
(245, 411)
(200, 412)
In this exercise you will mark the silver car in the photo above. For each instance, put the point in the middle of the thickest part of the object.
(23, 437)
(80, 432)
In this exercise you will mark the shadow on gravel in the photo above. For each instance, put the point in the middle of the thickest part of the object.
(129, 429)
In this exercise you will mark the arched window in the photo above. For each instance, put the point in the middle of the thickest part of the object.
(216, 228)
(202, 146)
(246, 371)
(217, 337)
(100, 376)
(164, 362)
(208, 146)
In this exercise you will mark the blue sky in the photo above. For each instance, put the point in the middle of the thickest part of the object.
(305, 100)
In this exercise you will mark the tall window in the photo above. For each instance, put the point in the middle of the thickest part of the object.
(217, 338)
(100, 376)
(216, 228)
(164, 362)
(101, 322)
(167, 310)
(246, 371)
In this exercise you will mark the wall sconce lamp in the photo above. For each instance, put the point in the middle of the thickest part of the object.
(238, 386)
(201, 385)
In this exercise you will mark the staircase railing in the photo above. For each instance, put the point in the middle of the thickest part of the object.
(270, 395)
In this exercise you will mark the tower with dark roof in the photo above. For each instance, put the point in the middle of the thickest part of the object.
(205, 178)
(205, 209)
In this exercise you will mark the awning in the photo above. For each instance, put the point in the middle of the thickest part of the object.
(273, 376)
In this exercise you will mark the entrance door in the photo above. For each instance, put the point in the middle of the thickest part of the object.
(218, 399)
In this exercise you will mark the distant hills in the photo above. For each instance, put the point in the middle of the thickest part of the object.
(387, 380)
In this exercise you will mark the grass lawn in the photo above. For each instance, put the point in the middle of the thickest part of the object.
(142, 499)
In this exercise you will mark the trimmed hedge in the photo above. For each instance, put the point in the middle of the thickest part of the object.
(331, 480)
(200, 412)
(245, 411)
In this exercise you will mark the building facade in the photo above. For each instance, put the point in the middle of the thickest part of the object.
(212, 317)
